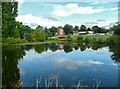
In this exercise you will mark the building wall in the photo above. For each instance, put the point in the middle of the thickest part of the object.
(75, 33)
(60, 31)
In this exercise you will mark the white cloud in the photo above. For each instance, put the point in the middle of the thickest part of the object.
(72, 8)
(29, 19)
(107, 23)
(95, 2)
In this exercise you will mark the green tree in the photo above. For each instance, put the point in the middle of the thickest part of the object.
(83, 28)
(39, 28)
(76, 28)
(39, 35)
(53, 30)
(29, 37)
(68, 29)
(95, 29)
(116, 30)
(89, 29)
(9, 13)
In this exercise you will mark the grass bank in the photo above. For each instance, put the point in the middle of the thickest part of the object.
(102, 39)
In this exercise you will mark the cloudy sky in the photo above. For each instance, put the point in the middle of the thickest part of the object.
(103, 14)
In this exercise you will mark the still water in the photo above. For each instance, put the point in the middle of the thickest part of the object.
(61, 64)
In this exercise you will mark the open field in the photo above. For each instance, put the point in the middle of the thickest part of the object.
(74, 38)
(84, 36)
(93, 36)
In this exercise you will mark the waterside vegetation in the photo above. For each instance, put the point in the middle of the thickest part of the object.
(16, 32)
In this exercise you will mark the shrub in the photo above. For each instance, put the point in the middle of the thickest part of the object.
(114, 39)
(100, 40)
(16, 40)
(69, 37)
(87, 39)
(94, 39)
(39, 35)
(80, 38)
(29, 37)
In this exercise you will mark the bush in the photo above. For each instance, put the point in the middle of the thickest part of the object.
(69, 37)
(39, 35)
(87, 39)
(114, 39)
(29, 37)
(16, 40)
(80, 38)
(94, 39)
(100, 40)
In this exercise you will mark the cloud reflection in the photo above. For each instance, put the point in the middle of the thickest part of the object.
(74, 64)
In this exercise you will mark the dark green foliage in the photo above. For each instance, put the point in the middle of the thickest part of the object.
(97, 29)
(68, 29)
(114, 39)
(9, 13)
(39, 35)
(29, 37)
(53, 30)
(87, 39)
(76, 28)
(39, 28)
(89, 29)
(69, 38)
(116, 29)
(83, 28)
(79, 38)
(100, 40)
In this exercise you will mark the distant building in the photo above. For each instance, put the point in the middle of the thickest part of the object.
(60, 32)
(90, 32)
(75, 33)
(100, 34)
(82, 33)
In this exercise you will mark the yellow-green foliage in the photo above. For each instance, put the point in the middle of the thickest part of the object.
(39, 35)
(12, 40)
(114, 39)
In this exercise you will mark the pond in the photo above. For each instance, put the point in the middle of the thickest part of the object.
(61, 64)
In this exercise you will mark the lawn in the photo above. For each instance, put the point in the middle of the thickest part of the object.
(104, 37)
(93, 36)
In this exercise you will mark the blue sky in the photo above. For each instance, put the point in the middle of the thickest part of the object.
(103, 14)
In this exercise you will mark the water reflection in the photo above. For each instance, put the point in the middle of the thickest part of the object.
(12, 54)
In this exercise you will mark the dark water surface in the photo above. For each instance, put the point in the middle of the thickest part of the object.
(61, 64)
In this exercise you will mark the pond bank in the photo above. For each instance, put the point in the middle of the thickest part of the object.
(113, 40)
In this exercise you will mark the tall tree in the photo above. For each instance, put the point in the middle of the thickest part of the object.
(39, 28)
(9, 13)
(68, 29)
(88, 29)
(116, 30)
(83, 28)
(53, 30)
(76, 28)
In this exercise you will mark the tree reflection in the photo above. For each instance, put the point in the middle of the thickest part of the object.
(10, 70)
(115, 53)
(12, 54)
(67, 48)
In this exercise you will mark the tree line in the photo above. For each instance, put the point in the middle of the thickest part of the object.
(15, 29)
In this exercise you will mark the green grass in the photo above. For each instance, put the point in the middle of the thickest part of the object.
(103, 37)
(99, 38)
(93, 36)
